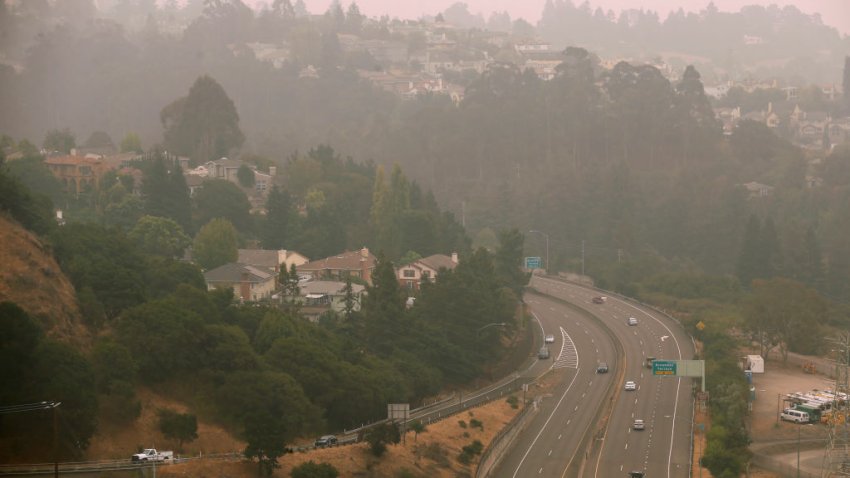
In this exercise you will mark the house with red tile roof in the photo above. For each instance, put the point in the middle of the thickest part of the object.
(355, 264)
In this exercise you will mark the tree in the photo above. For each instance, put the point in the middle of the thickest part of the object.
(222, 199)
(19, 337)
(787, 313)
(62, 141)
(165, 192)
(417, 427)
(277, 224)
(509, 259)
(216, 244)
(271, 408)
(182, 427)
(131, 143)
(159, 235)
(245, 175)
(99, 139)
(63, 374)
(349, 301)
(380, 436)
(311, 469)
(203, 125)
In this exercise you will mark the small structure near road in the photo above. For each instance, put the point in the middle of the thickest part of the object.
(754, 363)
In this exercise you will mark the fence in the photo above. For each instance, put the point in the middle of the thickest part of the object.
(504, 439)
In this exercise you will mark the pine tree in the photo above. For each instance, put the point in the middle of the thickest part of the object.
(279, 209)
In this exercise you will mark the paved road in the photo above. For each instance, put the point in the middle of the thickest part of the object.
(664, 403)
(551, 445)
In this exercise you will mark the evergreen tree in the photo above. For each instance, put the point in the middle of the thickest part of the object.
(165, 192)
(383, 308)
(203, 125)
(508, 261)
(278, 213)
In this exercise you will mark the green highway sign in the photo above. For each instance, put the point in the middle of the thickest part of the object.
(664, 367)
(533, 263)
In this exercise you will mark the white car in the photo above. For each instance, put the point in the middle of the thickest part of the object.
(633, 321)
(631, 385)
(549, 339)
(638, 425)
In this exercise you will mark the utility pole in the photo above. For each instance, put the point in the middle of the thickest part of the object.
(55, 440)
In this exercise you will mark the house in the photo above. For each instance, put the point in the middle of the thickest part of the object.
(271, 260)
(249, 283)
(318, 297)
(224, 169)
(355, 264)
(758, 190)
(78, 173)
(410, 276)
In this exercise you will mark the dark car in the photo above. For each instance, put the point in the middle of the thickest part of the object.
(602, 367)
(598, 300)
(327, 440)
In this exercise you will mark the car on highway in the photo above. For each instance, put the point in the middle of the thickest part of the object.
(633, 321)
(549, 339)
(326, 440)
(602, 367)
(598, 300)
(635, 474)
(638, 425)
(543, 353)
(630, 385)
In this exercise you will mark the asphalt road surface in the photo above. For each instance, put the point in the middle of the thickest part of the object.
(575, 433)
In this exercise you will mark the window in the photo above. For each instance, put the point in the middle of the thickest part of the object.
(409, 273)
(426, 274)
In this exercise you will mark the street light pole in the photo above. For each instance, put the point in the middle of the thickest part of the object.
(547, 246)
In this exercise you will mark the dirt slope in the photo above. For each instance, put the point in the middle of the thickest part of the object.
(30, 277)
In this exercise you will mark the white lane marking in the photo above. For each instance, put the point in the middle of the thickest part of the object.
(568, 356)
(545, 424)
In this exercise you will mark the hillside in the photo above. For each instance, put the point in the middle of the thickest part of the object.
(31, 278)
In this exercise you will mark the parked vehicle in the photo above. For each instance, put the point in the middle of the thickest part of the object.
(325, 440)
(796, 416)
(150, 454)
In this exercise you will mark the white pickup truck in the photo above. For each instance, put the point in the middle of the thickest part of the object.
(150, 454)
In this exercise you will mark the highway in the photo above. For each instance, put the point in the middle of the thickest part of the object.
(551, 444)
(575, 434)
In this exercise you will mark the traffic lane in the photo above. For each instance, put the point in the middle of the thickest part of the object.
(659, 332)
(549, 444)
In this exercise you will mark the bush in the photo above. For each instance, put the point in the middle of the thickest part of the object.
(473, 423)
(513, 401)
(470, 451)
(311, 469)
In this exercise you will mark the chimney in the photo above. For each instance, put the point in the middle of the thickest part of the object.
(454, 257)
(364, 252)
(281, 260)
(245, 286)
(365, 273)
(272, 170)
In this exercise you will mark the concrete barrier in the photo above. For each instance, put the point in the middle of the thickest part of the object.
(504, 439)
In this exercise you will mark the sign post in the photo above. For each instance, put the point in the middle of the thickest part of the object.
(533, 262)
